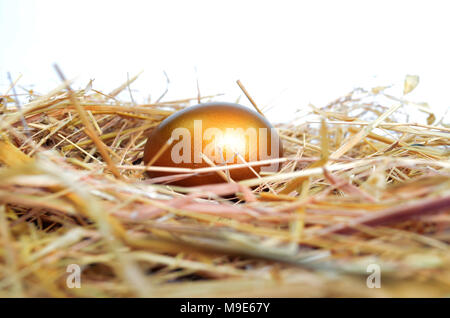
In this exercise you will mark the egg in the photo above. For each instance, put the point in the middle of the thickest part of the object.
(213, 134)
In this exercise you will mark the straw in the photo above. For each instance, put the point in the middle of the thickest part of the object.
(359, 185)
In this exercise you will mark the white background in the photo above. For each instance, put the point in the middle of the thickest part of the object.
(287, 53)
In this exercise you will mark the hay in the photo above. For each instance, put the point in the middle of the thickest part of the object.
(358, 186)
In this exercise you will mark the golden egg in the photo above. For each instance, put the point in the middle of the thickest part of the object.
(213, 134)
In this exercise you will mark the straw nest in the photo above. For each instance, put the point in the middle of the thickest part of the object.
(359, 185)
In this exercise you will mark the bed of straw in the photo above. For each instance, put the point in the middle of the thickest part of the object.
(360, 207)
